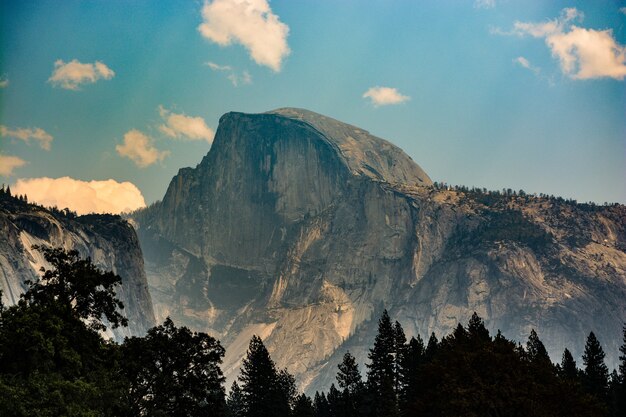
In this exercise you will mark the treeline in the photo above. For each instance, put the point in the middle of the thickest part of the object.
(54, 362)
(490, 197)
(7, 196)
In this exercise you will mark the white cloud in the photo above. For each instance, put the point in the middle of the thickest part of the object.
(484, 4)
(26, 134)
(108, 196)
(233, 77)
(250, 23)
(520, 60)
(4, 81)
(582, 53)
(139, 148)
(218, 67)
(72, 74)
(384, 96)
(9, 163)
(181, 126)
(622, 10)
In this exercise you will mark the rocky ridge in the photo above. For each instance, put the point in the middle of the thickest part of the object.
(301, 228)
(108, 240)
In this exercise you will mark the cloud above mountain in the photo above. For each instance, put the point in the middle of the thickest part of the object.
(139, 148)
(582, 53)
(250, 23)
(71, 75)
(27, 134)
(107, 196)
(9, 163)
(181, 126)
(384, 96)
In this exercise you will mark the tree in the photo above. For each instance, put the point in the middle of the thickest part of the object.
(596, 373)
(621, 395)
(399, 350)
(477, 330)
(77, 286)
(536, 350)
(303, 407)
(381, 369)
(51, 363)
(264, 393)
(568, 369)
(175, 372)
(235, 402)
(349, 380)
(320, 405)
(413, 358)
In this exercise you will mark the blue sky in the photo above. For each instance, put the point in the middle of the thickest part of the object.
(492, 93)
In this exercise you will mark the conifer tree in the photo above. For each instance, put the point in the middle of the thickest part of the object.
(259, 382)
(431, 347)
(235, 401)
(381, 369)
(335, 401)
(621, 405)
(536, 350)
(596, 373)
(320, 405)
(477, 330)
(568, 368)
(349, 380)
(399, 344)
(409, 376)
(303, 407)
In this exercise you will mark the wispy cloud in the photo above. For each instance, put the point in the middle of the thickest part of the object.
(139, 148)
(218, 67)
(70, 75)
(622, 10)
(235, 79)
(181, 126)
(523, 62)
(484, 4)
(250, 23)
(26, 134)
(582, 53)
(107, 196)
(4, 81)
(9, 163)
(384, 96)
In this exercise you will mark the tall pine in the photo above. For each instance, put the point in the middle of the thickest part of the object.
(596, 373)
(381, 370)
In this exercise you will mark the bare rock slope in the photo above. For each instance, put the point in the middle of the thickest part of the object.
(300, 229)
(109, 240)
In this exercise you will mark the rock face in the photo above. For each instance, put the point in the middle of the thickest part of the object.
(301, 229)
(109, 240)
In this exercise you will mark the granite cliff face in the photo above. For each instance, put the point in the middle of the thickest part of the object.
(110, 241)
(300, 229)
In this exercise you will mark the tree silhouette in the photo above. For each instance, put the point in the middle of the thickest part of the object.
(596, 373)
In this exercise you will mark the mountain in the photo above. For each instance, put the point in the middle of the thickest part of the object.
(110, 241)
(301, 229)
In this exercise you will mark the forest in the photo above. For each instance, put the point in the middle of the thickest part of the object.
(55, 362)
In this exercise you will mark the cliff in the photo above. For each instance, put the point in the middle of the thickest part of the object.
(109, 240)
(300, 229)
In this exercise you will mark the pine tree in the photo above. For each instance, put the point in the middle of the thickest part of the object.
(622, 376)
(349, 380)
(381, 375)
(320, 405)
(568, 368)
(7, 192)
(399, 344)
(235, 401)
(259, 382)
(413, 358)
(335, 401)
(536, 350)
(477, 330)
(303, 407)
(596, 373)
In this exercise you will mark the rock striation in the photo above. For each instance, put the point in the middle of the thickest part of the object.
(108, 240)
(301, 229)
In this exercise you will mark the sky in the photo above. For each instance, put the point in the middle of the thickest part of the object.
(102, 102)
